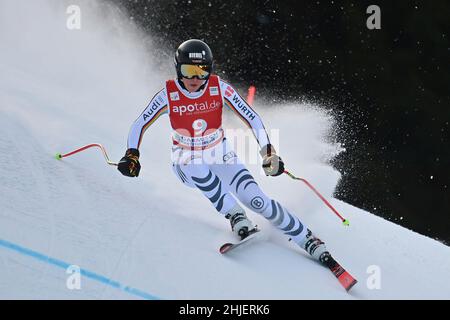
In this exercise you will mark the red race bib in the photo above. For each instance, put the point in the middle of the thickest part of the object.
(197, 122)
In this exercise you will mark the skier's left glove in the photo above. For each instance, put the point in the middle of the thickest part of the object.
(272, 163)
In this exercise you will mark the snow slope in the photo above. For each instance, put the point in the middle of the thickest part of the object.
(152, 237)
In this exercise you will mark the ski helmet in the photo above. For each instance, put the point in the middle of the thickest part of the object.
(193, 58)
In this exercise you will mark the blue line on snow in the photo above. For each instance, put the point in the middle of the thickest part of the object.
(84, 272)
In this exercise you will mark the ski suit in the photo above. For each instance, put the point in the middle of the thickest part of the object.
(201, 156)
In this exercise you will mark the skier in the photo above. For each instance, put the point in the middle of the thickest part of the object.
(201, 156)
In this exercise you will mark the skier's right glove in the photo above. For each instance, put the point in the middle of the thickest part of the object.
(129, 165)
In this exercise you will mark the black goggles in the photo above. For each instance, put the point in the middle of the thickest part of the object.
(191, 71)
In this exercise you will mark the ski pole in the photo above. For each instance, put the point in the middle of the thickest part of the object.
(345, 222)
(59, 156)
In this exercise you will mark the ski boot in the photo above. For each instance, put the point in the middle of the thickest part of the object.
(316, 248)
(240, 224)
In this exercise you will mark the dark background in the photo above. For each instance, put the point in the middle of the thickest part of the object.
(389, 88)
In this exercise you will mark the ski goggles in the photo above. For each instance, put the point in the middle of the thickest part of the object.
(190, 71)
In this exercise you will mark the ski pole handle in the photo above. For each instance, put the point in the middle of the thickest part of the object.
(59, 156)
(345, 222)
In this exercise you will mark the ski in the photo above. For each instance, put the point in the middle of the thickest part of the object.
(344, 278)
(227, 247)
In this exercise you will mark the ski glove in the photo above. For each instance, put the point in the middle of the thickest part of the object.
(129, 165)
(272, 163)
